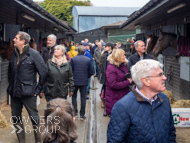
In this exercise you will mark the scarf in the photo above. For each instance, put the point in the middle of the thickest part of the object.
(58, 61)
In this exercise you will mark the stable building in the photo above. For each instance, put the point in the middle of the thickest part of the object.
(25, 15)
(172, 17)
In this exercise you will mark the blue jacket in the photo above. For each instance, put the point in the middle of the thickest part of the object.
(87, 53)
(133, 59)
(92, 50)
(82, 69)
(135, 120)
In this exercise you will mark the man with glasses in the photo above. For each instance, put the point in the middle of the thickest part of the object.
(143, 115)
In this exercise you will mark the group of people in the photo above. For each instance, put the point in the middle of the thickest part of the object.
(138, 114)
(57, 78)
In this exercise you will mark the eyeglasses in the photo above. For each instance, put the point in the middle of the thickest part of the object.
(159, 75)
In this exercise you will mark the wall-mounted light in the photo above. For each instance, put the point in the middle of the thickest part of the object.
(56, 29)
(26, 16)
(176, 7)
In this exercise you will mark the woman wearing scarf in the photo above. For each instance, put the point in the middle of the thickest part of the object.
(60, 76)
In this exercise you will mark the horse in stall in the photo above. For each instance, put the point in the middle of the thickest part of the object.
(150, 43)
(164, 41)
(6, 49)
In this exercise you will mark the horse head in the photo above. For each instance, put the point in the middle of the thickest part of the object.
(151, 42)
(33, 44)
(164, 41)
(6, 49)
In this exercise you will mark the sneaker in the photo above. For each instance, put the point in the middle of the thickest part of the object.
(87, 97)
(82, 118)
(76, 115)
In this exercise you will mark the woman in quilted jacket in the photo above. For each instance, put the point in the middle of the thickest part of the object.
(117, 79)
(60, 76)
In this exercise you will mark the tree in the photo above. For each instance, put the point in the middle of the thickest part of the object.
(41, 4)
(62, 9)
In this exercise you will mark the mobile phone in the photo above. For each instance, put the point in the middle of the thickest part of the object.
(128, 75)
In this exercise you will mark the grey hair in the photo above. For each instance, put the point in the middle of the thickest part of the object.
(142, 69)
(100, 43)
(24, 36)
(81, 49)
(52, 36)
(63, 50)
(137, 42)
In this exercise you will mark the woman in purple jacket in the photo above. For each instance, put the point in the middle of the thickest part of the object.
(117, 79)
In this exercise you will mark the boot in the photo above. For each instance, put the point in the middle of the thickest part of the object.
(37, 134)
(20, 134)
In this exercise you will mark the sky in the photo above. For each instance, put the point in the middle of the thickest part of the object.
(117, 3)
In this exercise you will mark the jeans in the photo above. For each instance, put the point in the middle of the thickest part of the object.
(88, 86)
(31, 107)
(82, 98)
(97, 69)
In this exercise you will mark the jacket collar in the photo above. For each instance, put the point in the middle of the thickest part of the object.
(79, 54)
(139, 55)
(54, 64)
(140, 98)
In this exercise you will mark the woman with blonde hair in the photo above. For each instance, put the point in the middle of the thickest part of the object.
(60, 76)
(117, 79)
(59, 122)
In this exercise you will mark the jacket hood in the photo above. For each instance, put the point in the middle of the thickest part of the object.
(73, 48)
(113, 62)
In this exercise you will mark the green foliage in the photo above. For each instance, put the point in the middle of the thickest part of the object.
(41, 4)
(62, 9)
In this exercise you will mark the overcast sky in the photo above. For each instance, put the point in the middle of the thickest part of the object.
(117, 3)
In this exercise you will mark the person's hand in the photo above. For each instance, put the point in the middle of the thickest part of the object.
(130, 80)
(71, 94)
(93, 59)
(41, 94)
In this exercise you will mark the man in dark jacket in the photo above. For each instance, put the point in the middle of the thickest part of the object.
(144, 114)
(49, 50)
(82, 70)
(139, 55)
(23, 87)
(97, 54)
(107, 51)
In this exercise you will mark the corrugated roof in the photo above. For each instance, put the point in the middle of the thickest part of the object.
(105, 11)
(141, 11)
(115, 24)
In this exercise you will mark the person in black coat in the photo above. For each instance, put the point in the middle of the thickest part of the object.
(23, 87)
(60, 76)
(49, 50)
(139, 55)
(82, 70)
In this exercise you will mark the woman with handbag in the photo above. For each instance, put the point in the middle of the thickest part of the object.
(60, 76)
(117, 84)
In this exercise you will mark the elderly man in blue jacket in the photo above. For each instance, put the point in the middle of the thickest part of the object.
(82, 71)
(143, 115)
